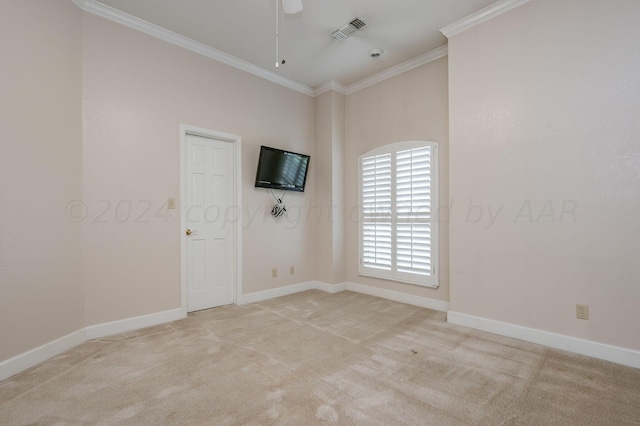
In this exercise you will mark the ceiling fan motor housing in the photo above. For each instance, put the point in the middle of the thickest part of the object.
(291, 7)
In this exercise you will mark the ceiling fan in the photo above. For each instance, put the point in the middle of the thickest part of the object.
(291, 7)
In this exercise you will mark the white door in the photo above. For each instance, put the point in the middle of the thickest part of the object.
(208, 209)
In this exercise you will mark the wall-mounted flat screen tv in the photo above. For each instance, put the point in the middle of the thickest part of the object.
(278, 169)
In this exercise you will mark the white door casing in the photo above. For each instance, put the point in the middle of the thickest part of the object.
(212, 214)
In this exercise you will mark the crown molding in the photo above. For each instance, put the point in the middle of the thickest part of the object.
(430, 56)
(480, 16)
(331, 85)
(161, 33)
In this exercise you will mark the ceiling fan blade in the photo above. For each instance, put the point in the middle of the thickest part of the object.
(291, 7)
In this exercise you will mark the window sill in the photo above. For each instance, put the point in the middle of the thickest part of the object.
(397, 280)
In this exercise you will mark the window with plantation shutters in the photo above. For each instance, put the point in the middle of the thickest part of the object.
(398, 233)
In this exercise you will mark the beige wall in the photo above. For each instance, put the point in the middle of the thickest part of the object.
(329, 208)
(40, 171)
(323, 161)
(137, 90)
(338, 218)
(544, 111)
(410, 106)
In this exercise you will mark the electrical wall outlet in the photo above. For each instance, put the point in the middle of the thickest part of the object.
(171, 203)
(292, 270)
(582, 311)
(274, 273)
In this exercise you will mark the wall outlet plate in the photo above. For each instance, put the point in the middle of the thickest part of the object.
(274, 273)
(582, 311)
(292, 270)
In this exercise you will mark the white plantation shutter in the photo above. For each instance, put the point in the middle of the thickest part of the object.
(413, 210)
(376, 209)
(377, 245)
(398, 233)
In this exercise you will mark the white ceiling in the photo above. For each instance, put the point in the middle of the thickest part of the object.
(404, 29)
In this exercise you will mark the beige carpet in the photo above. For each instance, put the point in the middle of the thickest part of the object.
(316, 358)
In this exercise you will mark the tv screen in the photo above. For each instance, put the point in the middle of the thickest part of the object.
(278, 169)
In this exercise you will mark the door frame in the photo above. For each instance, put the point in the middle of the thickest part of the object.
(236, 140)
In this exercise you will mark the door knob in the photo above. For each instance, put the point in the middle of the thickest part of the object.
(189, 232)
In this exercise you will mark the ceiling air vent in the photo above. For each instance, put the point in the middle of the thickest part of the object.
(358, 23)
(346, 30)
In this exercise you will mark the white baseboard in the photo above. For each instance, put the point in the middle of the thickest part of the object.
(259, 296)
(330, 288)
(31, 358)
(423, 302)
(396, 296)
(603, 351)
(24, 361)
(129, 324)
